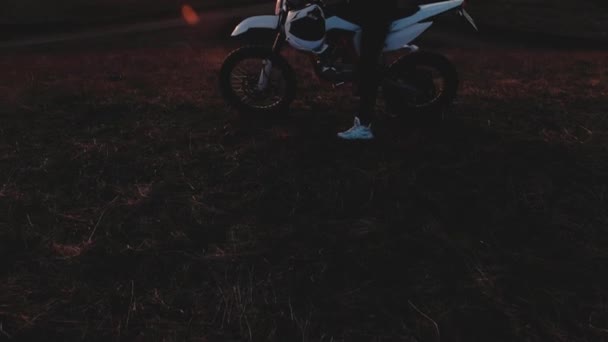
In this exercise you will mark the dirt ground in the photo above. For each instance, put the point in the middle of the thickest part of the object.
(134, 206)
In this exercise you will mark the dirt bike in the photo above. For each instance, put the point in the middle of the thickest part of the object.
(259, 80)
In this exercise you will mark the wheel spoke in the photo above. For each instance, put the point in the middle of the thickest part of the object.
(244, 82)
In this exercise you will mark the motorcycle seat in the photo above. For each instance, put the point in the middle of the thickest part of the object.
(346, 12)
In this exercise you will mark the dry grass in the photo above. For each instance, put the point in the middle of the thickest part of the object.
(133, 206)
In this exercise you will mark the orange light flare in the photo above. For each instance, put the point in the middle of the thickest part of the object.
(190, 15)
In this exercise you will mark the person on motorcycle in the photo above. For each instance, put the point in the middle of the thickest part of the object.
(375, 19)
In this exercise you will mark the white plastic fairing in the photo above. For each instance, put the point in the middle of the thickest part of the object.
(305, 29)
(260, 21)
(315, 22)
(305, 45)
(337, 23)
(398, 39)
(395, 40)
(425, 12)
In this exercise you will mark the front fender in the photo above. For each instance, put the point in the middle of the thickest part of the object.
(260, 21)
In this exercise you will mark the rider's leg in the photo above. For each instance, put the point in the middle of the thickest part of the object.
(372, 42)
(375, 19)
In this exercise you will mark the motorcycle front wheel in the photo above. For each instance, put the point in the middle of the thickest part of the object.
(420, 86)
(257, 82)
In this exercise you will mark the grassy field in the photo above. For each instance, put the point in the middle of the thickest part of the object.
(135, 207)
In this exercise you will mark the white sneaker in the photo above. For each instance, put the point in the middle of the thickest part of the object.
(357, 132)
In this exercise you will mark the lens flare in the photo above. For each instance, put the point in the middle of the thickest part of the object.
(190, 15)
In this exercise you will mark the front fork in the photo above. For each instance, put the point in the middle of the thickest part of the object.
(264, 74)
(276, 50)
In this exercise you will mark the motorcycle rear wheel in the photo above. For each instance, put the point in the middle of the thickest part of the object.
(420, 86)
